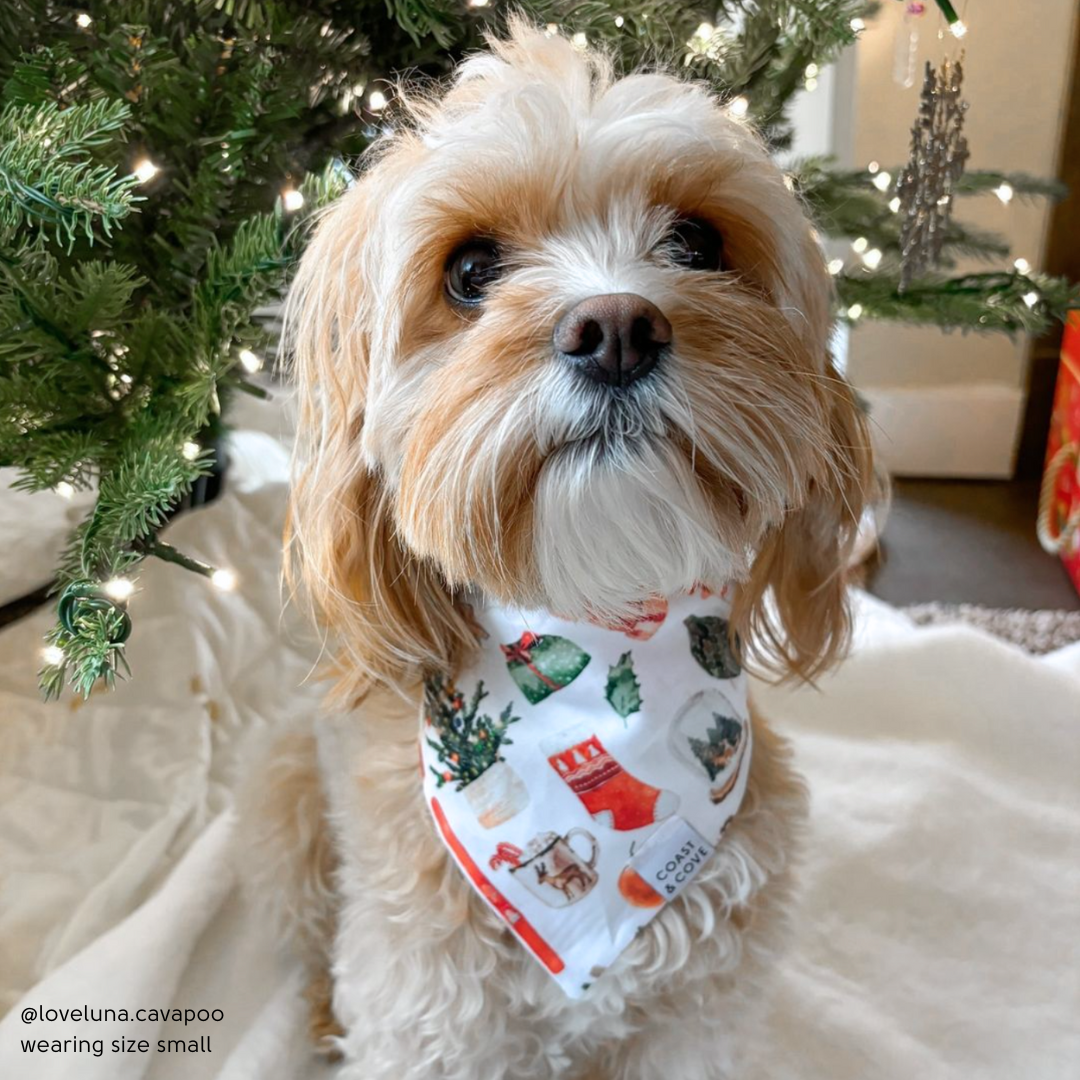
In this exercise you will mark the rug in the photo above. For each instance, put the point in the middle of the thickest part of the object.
(1036, 632)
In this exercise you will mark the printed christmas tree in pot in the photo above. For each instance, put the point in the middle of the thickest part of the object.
(467, 747)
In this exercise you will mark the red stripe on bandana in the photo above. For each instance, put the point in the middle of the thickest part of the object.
(514, 919)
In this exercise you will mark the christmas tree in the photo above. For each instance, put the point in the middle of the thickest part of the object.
(158, 159)
(468, 741)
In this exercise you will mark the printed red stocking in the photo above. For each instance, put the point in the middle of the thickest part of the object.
(614, 797)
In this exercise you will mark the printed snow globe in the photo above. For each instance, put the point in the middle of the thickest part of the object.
(709, 736)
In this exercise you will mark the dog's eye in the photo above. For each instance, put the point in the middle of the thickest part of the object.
(470, 270)
(696, 245)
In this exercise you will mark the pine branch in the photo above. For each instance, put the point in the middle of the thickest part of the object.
(47, 176)
(1026, 186)
(998, 301)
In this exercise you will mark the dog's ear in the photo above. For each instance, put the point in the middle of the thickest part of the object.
(390, 615)
(794, 609)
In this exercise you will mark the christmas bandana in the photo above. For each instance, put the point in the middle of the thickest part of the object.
(582, 775)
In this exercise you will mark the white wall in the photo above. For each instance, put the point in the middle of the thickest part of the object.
(951, 404)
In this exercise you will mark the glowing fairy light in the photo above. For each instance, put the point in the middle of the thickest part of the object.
(854, 313)
(145, 170)
(191, 450)
(810, 85)
(1005, 192)
(882, 181)
(223, 579)
(619, 21)
(83, 21)
(250, 361)
(958, 29)
(580, 40)
(1022, 266)
(860, 245)
(705, 31)
(894, 205)
(53, 655)
(478, 3)
(1031, 299)
(64, 489)
(873, 168)
(835, 266)
(739, 107)
(119, 588)
(376, 101)
(872, 259)
(292, 199)
(812, 71)
(858, 25)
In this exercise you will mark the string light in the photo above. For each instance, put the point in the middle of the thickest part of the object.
(1031, 299)
(812, 71)
(739, 106)
(873, 167)
(894, 205)
(1022, 266)
(872, 258)
(619, 21)
(810, 85)
(53, 655)
(478, 3)
(854, 313)
(145, 170)
(1005, 192)
(835, 266)
(858, 25)
(705, 31)
(860, 245)
(292, 199)
(191, 450)
(376, 101)
(882, 181)
(223, 579)
(251, 363)
(83, 20)
(958, 29)
(119, 588)
(64, 490)
(580, 40)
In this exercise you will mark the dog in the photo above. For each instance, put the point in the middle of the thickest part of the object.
(564, 345)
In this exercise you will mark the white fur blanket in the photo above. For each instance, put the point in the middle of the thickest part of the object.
(940, 929)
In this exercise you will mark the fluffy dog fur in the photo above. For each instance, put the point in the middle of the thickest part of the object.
(440, 448)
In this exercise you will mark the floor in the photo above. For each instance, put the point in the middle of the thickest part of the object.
(968, 542)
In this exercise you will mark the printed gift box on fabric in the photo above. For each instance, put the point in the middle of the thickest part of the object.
(583, 775)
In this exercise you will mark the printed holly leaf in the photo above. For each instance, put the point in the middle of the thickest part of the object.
(623, 691)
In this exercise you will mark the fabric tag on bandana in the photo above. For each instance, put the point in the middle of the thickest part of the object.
(672, 857)
(582, 776)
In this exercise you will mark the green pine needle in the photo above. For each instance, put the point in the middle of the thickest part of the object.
(48, 176)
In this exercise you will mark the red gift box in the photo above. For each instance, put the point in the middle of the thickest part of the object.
(1059, 504)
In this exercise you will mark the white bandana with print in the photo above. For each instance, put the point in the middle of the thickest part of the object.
(582, 775)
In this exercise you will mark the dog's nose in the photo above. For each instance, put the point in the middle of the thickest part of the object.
(614, 339)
